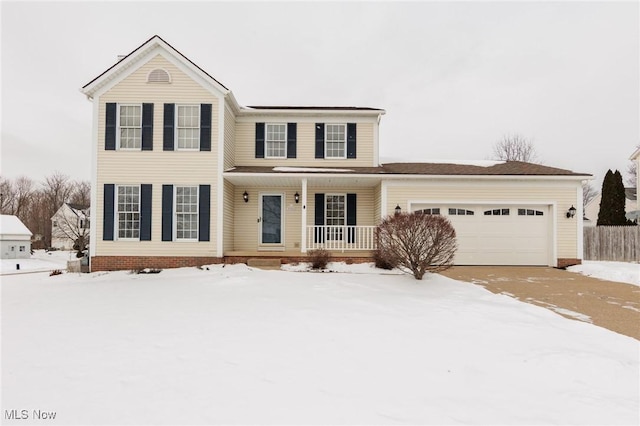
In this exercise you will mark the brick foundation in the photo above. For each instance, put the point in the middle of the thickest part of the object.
(563, 263)
(127, 263)
(119, 263)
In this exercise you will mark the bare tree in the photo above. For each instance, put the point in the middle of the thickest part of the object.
(7, 196)
(589, 192)
(515, 147)
(24, 189)
(417, 243)
(72, 222)
(81, 193)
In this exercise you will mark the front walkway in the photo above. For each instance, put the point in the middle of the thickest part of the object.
(612, 305)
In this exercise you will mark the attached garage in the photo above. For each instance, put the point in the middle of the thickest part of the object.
(498, 234)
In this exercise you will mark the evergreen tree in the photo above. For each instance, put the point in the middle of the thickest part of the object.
(612, 202)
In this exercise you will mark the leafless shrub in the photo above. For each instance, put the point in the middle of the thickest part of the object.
(55, 272)
(417, 243)
(382, 261)
(319, 258)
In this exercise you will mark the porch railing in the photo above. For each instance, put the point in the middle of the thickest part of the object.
(333, 237)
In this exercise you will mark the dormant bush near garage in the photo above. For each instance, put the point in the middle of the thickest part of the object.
(417, 242)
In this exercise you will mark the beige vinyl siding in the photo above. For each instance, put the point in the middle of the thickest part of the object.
(377, 204)
(564, 195)
(246, 229)
(229, 140)
(305, 146)
(229, 217)
(156, 167)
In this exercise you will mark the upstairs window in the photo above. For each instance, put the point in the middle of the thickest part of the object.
(130, 124)
(276, 141)
(335, 140)
(188, 127)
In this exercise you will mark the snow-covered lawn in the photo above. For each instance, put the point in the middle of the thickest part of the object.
(623, 272)
(40, 261)
(234, 345)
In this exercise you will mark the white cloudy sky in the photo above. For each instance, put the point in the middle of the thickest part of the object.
(453, 77)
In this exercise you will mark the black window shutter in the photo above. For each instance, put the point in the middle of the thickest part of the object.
(167, 212)
(259, 140)
(292, 129)
(107, 220)
(204, 207)
(167, 136)
(351, 140)
(319, 140)
(110, 127)
(351, 218)
(147, 127)
(205, 127)
(319, 219)
(145, 212)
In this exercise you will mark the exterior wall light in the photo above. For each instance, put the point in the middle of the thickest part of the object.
(398, 209)
(245, 197)
(571, 212)
(296, 197)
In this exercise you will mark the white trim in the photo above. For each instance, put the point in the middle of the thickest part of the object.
(282, 221)
(554, 235)
(286, 135)
(93, 230)
(220, 179)
(309, 115)
(344, 156)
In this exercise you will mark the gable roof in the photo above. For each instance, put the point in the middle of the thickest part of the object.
(11, 225)
(636, 154)
(134, 56)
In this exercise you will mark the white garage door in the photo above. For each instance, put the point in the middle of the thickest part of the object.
(497, 235)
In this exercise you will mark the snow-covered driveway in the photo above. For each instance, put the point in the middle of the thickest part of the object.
(235, 345)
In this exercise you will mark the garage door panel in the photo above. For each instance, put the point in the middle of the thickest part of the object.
(501, 239)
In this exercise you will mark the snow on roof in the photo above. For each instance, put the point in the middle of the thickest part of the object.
(11, 225)
(308, 169)
(478, 163)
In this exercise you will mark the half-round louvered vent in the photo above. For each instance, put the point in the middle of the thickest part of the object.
(159, 76)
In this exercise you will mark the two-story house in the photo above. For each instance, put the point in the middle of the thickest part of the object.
(69, 224)
(184, 175)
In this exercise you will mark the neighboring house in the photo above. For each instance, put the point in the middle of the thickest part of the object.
(70, 222)
(15, 238)
(184, 175)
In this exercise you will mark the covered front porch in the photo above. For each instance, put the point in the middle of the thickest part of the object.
(288, 215)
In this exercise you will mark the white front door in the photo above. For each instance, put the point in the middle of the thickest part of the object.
(271, 215)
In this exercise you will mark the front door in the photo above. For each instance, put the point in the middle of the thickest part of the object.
(271, 219)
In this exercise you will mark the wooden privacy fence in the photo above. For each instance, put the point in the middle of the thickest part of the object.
(612, 243)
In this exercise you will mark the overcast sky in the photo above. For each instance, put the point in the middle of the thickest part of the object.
(453, 77)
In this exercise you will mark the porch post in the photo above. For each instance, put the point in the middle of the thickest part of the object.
(303, 236)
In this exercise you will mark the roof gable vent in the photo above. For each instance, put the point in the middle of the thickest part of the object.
(158, 76)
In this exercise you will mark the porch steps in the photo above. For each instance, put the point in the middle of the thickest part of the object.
(264, 263)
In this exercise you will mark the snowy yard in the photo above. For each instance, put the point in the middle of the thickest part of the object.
(40, 261)
(623, 272)
(234, 345)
